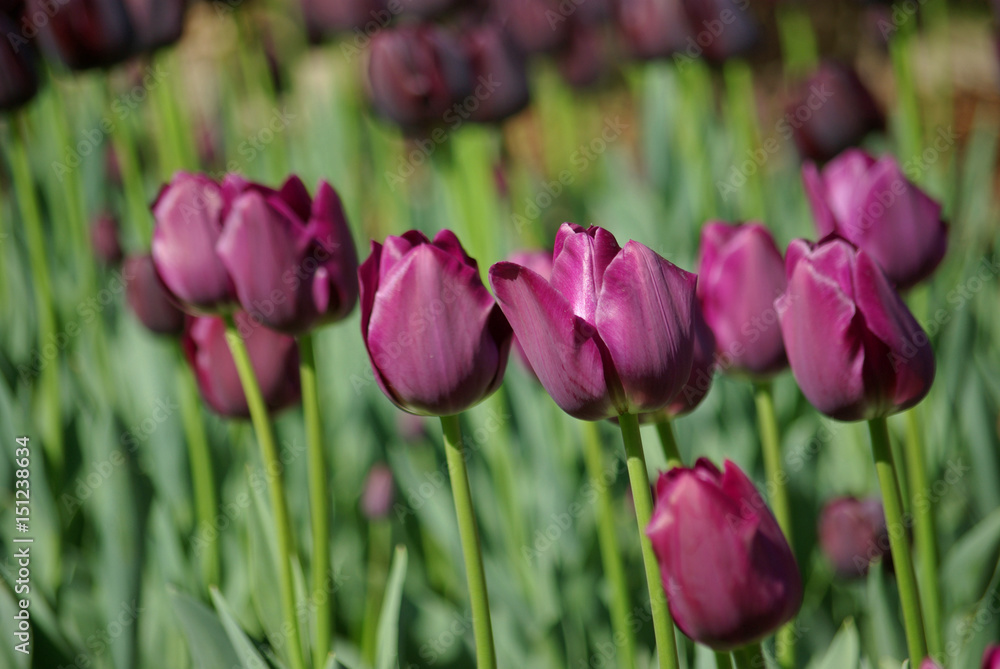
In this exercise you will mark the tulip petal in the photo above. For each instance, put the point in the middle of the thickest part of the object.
(335, 284)
(841, 179)
(815, 188)
(579, 263)
(396, 248)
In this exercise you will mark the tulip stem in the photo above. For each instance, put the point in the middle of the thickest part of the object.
(902, 561)
(665, 428)
(663, 624)
(798, 40)
(272, 465)
(924, 533)
(749, 657)
(607, 536)
(379, 554)
(723, 660)
(319, 500)
(471, 549)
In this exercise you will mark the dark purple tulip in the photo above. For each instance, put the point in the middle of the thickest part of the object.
(611, 331)
(18, 78)
(537, 26)
(104, 239)
(149, 298)
(291, 258)
(702, 369)
(428, 8)
(437, 341)
(274, 356)
(584, 59)
(728, 572)
(189, 214)
(740, 274)
(539, 262)
(157, 23)
(832, 112)
(417, 75)
(496, 60)
(991, 657)
(653, 28)
(854, 348)
(376, 499)
(719, 29)
(874, 206)
(325, 18)
(84, 34)
(853, 534)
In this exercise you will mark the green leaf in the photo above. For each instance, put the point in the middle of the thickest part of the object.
(388, 622)
(965, 570)
(208, 642)
(244, 647)
(844, 651)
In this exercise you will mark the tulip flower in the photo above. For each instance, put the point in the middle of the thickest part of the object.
(729, 575)
(720, 29)
(541, 263)
(149, 298)
(376, 499)
(157, 23)
(537, 26)
(855, 349)
(873, 205)
(291, 258)
(324, 18)
(584, 59)
(274, 357)
(741, 273)
(702, 366)
(853, 534)
(653, 28)
(429, 8)
(85, 34)
(991, 657)
(437, 341)
(611, 331)
(104, 239)
(18, 78)
(833, 111)
(929, 663)
(494, 56)
(417, 75)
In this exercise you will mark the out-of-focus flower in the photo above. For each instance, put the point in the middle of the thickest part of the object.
(495, 59)
(873, 205)
(104, 239)
(719, 29)
(853, 534)
(584, 59)
(157, 23)
(537, 26)
(437, 340)
(18, 78)
(728, 572)
(85, 34)
(653, 28)
(149, 299)
(991, 657)
(325, 18)
(855, 349)
(376, 499)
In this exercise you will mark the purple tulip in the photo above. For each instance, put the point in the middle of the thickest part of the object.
(428, 9)
(18, 78)
(720, 29)
(104, 239)
(157, 23)
(702, 368)
(417, 75)
(929, 663)
(874, 206)
(291, 258)
(991, 657)
(437, 341)
(149, 298)
(611, 331)
(376, 500)
(854, 348)
(274, 357)
(741, 273)
(584, 59)
(325, 18)
(833, 111)
(853, 534)
(541, 263)
(653, 28)
(537, 26)
(85, 34)
(728, 572)
(494, 57)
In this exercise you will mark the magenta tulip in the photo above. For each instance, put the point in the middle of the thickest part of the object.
(991, 657)
(149, 299)
(541, 263)
(104, 239)
(437, 341)
(740, 274)
(873, 205)
(728, 572)
(611, 331)
(854, 348)
(274, 357)
(853, 535)
(291, 258)
(377, 496)
(703, 365)
(929, 663)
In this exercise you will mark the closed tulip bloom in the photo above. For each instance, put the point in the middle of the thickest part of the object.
(728, 572)
(324, 18)
(729, 24)
(838, 109)
(541, 263)
(991, 657)
(929, 663)
(653, 28)
(85, 34)
(853, 534)
(873, 205)
(436, 339)
(157, 23)
(274, 357)
(189, 216)
(611, 331)
(417, 74)
(18, 78)
(584, 60)
(149, 299)
(537, 26)
(104, 239)
(741, 273)
(702, 368)
(494, 57)
(856, 351)
(291, 258)
(376, 499)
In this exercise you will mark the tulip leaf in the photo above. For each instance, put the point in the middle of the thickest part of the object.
(388, 621)
(965, 569)
(244, 647)
(844, 652)
(207, 639)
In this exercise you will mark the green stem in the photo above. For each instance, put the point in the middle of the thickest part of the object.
(276, 486)
(379, 547)
(607, 536)
(743, 121)
(319, 500)
(723, 660)
(908, 131)
(663, 625)
(749, 657)
(471, 550)
(123, 141)
(906, 579)
(924, 533)
(665, 428)
(798, 40)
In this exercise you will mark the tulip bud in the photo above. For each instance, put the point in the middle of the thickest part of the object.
(85, 34)
(274, 357)
(853, 534)
(611, 331)
(833, 111)
(157, 23)
(740, 274)
(376, 500)
(417, 74)
(728, 572)
(149, 299)
(494, 58)
(325, 18)
(929, 663)
(537, 26)
(541, 263)
(291, 258)
(991, 657)
(18, 78)
(653, 28)
(104, 239)
(702, 368)
(856, 351)
(874, 206)
(584, 60)
(720, 29)
(436, 339)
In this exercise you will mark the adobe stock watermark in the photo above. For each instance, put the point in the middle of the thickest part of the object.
(34, 21)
